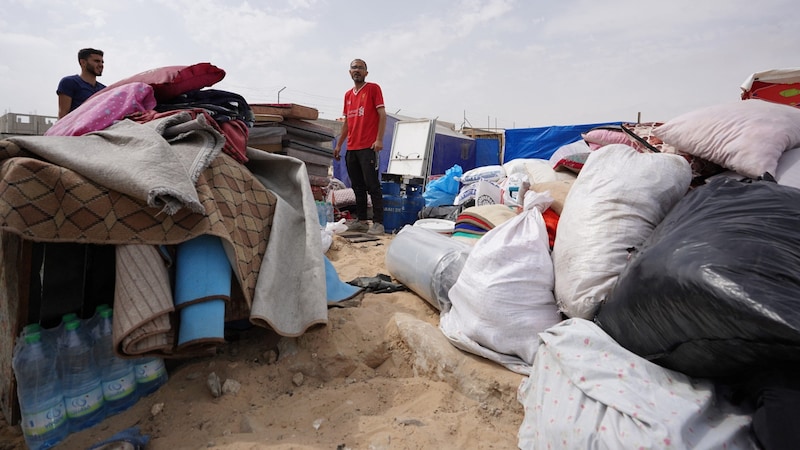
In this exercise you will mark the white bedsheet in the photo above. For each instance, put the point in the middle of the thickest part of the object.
(586, 391)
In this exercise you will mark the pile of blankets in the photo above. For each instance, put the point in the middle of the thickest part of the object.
(160, 182)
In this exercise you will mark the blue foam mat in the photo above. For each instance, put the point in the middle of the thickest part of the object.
(201, 270)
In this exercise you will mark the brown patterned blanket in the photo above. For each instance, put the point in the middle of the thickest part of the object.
(43, 202)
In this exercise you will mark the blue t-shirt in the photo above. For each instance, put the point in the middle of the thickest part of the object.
(75, 87)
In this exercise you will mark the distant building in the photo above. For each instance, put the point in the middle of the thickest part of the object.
(14, 124)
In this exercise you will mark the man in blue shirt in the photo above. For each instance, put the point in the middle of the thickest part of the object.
(75, 89)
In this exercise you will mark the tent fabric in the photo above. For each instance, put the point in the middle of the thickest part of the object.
(542, 142)
(451, 148)
(487, 152)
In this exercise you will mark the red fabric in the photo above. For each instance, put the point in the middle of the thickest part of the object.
(361, 110)
(171, 81)
(236, 134)
(573, 163)
(787, 94)
(551, 222)
(234, 131)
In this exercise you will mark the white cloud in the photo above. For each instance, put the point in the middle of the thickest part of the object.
(510, 62)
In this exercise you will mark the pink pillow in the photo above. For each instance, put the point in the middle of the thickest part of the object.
(104, 108)
(172, 81)
(746, 136)
(600, 137)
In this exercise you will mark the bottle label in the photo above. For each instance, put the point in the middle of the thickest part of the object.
(150, 371)
(84, 404)
(119, 388)
(42, 422)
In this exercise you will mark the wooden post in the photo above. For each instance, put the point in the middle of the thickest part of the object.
(15, 276)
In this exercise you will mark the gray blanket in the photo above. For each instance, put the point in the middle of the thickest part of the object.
(290, 293)
(158, 161)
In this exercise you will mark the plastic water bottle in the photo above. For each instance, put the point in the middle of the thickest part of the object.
(31, 328)
(117, 374)
(54, 335)
(44, 419)
(322, 215)
(28, 329)
(93, 323)
(151, 374)
(80, 378)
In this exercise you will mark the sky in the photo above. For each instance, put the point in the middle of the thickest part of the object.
(474, 63)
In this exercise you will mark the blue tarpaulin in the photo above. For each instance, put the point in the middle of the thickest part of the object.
(542, 142)
(487, 152)
(451, 148)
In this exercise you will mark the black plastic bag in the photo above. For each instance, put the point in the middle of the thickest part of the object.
(448, 212)
(715, 290)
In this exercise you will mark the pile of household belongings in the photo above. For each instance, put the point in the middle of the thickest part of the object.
(290, 129)
(158, 167)
(666, 313)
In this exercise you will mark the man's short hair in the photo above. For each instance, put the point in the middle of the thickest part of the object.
(361, 61)
(84, 53)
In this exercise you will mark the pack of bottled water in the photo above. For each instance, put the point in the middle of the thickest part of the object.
(69, 377)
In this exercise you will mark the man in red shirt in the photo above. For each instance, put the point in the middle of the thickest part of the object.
(363, 128)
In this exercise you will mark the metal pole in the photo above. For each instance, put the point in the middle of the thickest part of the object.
(279, 93)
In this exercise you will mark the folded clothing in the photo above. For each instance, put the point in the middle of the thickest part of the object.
(466, 227)
(485, 217)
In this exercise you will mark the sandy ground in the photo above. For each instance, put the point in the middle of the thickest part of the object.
(380, 375)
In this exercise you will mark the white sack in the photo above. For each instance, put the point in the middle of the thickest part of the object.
(538, 170)
(488, 173)
(568, 150)
(466, 193)
(615, 203)
(503, 296)
(487, 193)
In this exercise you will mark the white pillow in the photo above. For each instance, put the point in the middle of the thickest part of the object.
(569, 149)
(515, 166)
(539, 171)
(745, 136)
